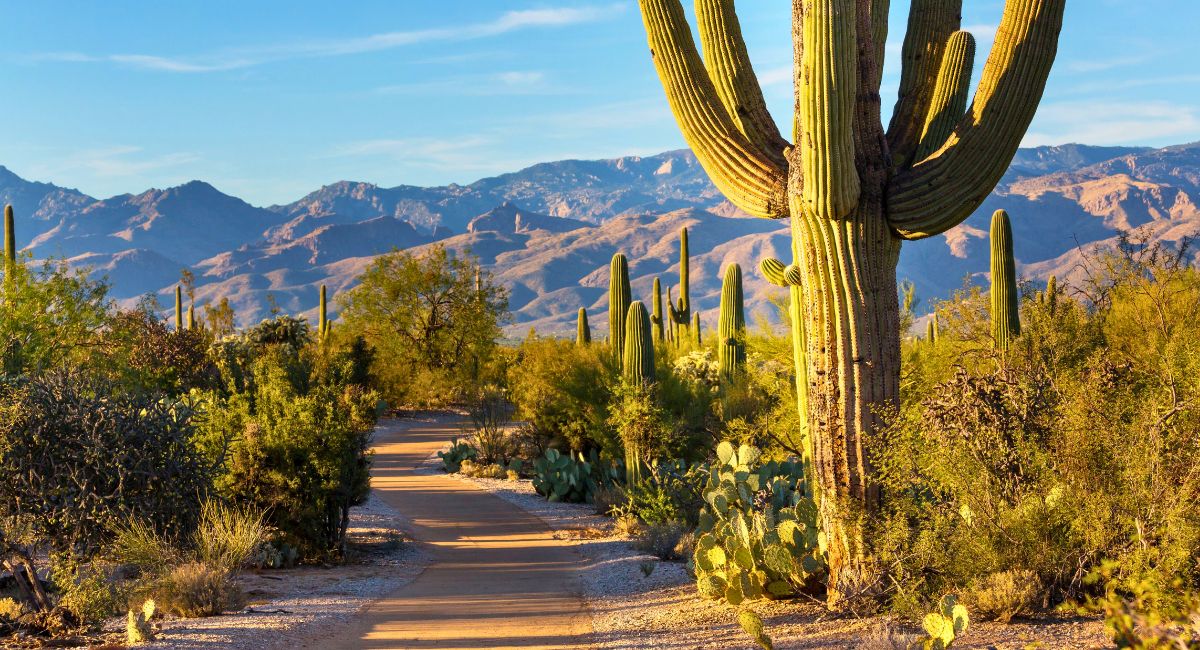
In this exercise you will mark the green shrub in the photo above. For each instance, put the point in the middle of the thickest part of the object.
(563, 391)
(87, 591)
(490, 413)
(757, 536)
(459, 451)
(670, 491)
(302, 458)
(77, 455)
(560, 477)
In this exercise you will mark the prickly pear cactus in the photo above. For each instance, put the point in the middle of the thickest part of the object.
(757, 536)
(559, 477)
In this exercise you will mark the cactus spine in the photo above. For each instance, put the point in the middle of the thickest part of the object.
(1006, 304)
(657, 318)
(583, 333)
(178, 308)
(618, 303)
(852, 190)
(10, 238)
(731, 330)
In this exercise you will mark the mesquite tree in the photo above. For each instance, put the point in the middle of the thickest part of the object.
(853, 190)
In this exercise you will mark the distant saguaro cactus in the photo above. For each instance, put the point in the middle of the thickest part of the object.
(178, 309)
(323, 318)
(681, 314)
(657, 318)
(853, 190)
(1052, 294)
(583, 333)
(695, 329)
(10, 238)
(1006, 302)
(191, 317)
(731, 329)
(619, 296)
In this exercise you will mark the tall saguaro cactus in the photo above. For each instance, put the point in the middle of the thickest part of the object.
(657, 318)
(853, 190)
(583, 333)
(639, 346)
(681, 314)
(695, 330)
(178, 309)
(619, 296)
(731, 330)
(323, 318)
(10, 238)
(191, 317)
(1006, 302)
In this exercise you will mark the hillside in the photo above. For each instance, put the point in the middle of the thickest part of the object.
(548, 231)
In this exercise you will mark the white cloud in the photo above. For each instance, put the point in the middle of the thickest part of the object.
(248, 57)
(1113, 123)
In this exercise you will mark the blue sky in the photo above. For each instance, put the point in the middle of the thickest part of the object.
(270, 99)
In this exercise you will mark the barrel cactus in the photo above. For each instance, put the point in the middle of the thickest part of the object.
(757, 536)
(583, 333)
(1006, 302)
(853, 190)
(619, 296)
(731, 330)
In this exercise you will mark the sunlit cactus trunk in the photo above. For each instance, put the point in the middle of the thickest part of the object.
(619, 295)
(323, 314)
(1006, 300)
(583, 333)
(191, 317)
(638, 374)
(681, 313)
(656, 319)
(853, 191)
(178, 309)
(731, 344)
(10, 238)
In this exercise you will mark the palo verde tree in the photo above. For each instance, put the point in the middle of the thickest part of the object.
(432, 326)
(853, 190)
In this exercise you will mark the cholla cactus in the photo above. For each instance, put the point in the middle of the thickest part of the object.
(853, 190)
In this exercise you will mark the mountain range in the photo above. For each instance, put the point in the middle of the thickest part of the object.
(547, 232)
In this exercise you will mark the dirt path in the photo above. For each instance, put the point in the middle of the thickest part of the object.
(498, 577)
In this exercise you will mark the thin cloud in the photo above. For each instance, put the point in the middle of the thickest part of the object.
(249, 57)
(1112, 123)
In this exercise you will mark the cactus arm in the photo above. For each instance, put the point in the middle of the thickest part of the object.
(930, 24)
(826, 91)
(729, 67)
(950, 96)
(941, 191)
(751, 180)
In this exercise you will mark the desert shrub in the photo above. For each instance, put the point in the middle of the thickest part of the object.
(1003, 595)
(432, 319)
(661, 539)
(490, 413)
(145, 354)
(483, 470)
(607, 498)
(757, 535)
(50, 316)
(196, 589)
(670, 491)
(193, 575)
(643, 429)
(302, 457)
(76, 455)
(562, 390)
(459, 452)
(87, 590)
(1134, 615)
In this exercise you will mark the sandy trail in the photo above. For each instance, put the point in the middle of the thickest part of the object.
(498, 578)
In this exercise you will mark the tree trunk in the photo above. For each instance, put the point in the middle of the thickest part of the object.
(851, 358)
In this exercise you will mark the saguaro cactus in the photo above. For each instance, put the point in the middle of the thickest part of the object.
(191, 317)
(323, 318)
(853, 190)
(10, 237)
(178, 308)
(1052, 294)
(695, 330)
(731, 330)
(618, 303)
(1006, 302)
(657, 318)
(681, 314)
(583, 333)
(639, 347)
